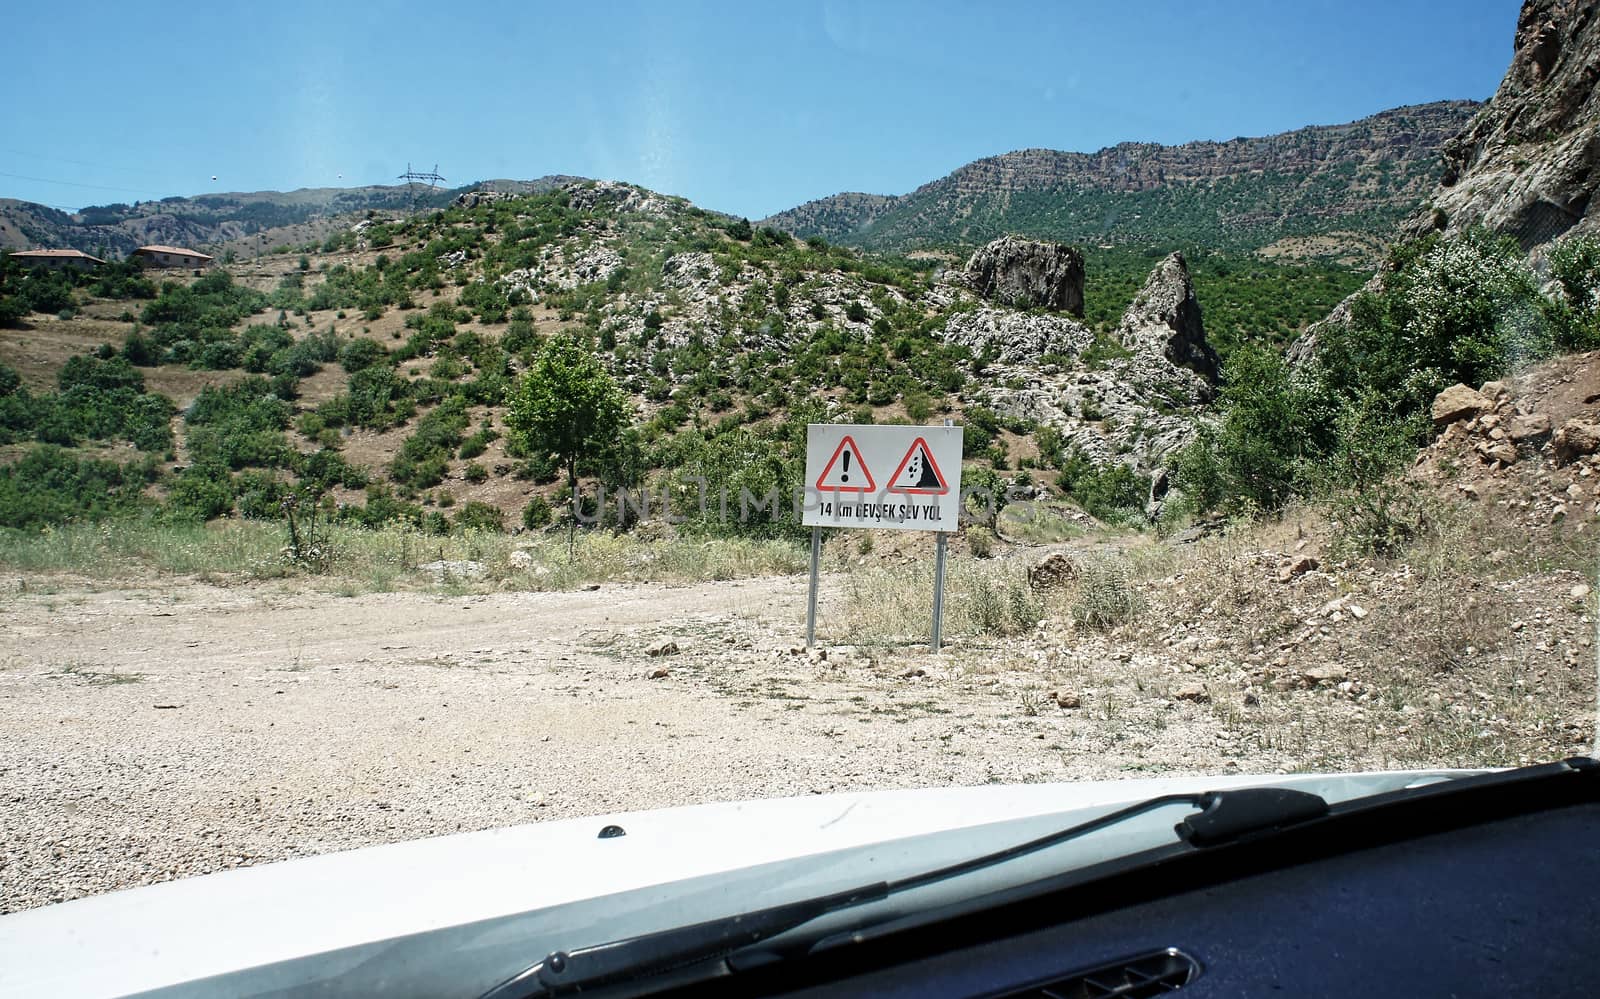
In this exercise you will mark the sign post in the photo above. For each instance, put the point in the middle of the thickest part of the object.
(893, 477)
(811, 598)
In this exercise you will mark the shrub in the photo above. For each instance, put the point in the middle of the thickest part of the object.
(476, 516)
(537, 513)
(360, 354)
(49, 486)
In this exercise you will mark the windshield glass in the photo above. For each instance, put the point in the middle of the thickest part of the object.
(417, 423)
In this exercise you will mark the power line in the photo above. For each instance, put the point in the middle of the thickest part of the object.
(71, 183)
(63, 159)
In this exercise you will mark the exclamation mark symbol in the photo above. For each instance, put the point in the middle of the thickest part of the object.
(845, 475)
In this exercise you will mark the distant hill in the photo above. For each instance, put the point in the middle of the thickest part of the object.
(1245, 193)
(238, 220)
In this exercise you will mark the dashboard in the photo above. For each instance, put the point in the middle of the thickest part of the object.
(1503, 908)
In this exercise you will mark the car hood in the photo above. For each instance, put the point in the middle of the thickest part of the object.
(157, 936)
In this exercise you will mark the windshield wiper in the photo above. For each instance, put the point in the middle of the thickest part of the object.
(1224, 816)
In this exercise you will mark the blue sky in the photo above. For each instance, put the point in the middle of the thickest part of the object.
(743, 107)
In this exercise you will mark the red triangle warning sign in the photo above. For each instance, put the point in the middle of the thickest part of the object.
(918, 473)
(845, 471)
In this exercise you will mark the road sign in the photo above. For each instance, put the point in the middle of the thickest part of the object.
(919, 474)
(845, 472)
(901, 478)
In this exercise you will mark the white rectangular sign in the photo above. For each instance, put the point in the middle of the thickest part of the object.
(903, 478)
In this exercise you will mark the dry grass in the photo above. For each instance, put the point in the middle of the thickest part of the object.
(395, 558)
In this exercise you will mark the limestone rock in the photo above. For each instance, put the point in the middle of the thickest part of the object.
(1458, 402)
(1017, 337)
(1164, 319)
(1528, 164)
(1500, 451)
(1297, 568)
(1575, 439)
(1027, 274)
(1325, 676)
(1532, 429)
(1195, 692)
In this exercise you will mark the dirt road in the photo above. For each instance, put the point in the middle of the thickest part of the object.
(156, 732)
(161, 730)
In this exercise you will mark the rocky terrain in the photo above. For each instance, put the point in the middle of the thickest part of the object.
(1136, 408)
(1362, 176)
(1529, 162)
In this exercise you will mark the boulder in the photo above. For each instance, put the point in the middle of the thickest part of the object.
(1053, 570)
(1027, 274)
(1164, 319)
(1575, 439)
(1493, 391)
(1531, 430)
(1504, 453)
(1297, 568)
(1458, 402)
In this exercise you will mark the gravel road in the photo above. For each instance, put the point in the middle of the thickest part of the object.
(163, 731)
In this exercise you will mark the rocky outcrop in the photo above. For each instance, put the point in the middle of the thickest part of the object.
(1135, 410)
(1026, 274)
(1017, 337)
(1165, 319)
(1529, 162)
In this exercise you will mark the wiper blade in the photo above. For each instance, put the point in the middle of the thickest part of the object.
(657, 953)
(1224, 815)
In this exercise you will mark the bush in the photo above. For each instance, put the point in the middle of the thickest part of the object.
(1257, 457)
(537, 513)
(1113, 492)
(423, 458)
(1460, 310)
(361, 354)
(49, 486)
(476, 516)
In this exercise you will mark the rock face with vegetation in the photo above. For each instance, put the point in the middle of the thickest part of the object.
(1165, 319)
(1027, 274)
(1131, 400)
(1529, 162)
(1360, 177)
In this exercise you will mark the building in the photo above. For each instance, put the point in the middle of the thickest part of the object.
(56, 259)
(169, 256)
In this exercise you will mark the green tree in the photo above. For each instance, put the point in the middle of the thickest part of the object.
(566, 405)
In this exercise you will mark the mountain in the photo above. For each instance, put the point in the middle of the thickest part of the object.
(1358, 178)
(247, 222)
(1529, 162)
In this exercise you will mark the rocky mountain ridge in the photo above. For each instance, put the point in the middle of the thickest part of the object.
(1529, 162)
(1360, 175)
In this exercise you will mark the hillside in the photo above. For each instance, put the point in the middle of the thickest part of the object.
(246, 222)
(375, 365)
(1358, 178)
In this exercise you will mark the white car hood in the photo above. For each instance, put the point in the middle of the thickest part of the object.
(146, 938)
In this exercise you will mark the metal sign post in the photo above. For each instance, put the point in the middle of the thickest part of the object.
(886, 477)
(938, 584)
(811, 599)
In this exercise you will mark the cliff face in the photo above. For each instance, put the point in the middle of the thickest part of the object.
(1527, 163)
(1362, 175)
